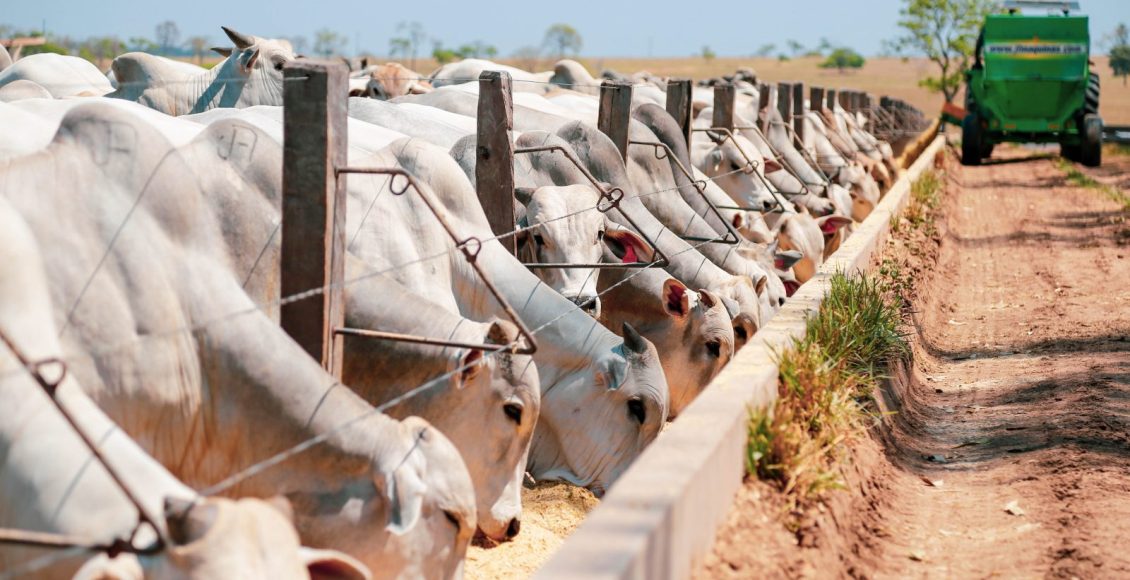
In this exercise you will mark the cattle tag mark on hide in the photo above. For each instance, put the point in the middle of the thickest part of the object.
(105, 138)
(238, 146)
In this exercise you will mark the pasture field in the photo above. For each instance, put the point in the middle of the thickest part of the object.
(894, 77)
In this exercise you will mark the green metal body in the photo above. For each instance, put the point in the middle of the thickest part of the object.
(1031, 78)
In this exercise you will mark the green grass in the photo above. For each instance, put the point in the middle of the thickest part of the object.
(825, 387)
(1079, 179)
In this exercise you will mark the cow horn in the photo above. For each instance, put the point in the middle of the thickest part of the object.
(501, 332)
(524, 194)
(188, 521)
(241, 41)
(632, 339)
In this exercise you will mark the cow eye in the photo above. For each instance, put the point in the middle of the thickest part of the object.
(279, 65)
(740, 333)
(514, 412)
(454, 520)
(636, 409)
(539, 240)
(734, 165)
(599, 235)
(714, 348)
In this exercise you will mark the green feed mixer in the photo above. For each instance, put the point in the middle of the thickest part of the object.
(1031, 82)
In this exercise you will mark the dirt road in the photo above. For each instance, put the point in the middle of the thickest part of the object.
(1009, 452)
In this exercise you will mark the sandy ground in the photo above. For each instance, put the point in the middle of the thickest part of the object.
(550, 512)
(1007, 451)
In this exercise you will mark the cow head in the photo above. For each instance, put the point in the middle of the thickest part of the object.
(259, 61)
(725, 163)
(696, 338)
(217, 537)
(564, 228)
(391, 80)
(624, 397)
(503, 391)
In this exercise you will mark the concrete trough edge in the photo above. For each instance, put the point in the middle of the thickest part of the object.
(659, 520)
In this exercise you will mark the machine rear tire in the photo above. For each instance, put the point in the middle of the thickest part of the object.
(1091, 151)
(971, 145)
(1091, 103)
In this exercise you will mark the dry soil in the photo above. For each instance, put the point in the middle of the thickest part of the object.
(1006, 453)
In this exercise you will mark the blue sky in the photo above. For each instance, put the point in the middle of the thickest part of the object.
(655, 28)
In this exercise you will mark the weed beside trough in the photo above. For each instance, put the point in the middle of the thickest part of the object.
(824, 388)
(1079, 179)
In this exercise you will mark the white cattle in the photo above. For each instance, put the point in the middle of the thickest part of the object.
(603, 398)
(565, 228)
(468, 71)
(50, 481)
(60, 75)
(22, 89)
(691, 330)
(235, 390)
(250, 75)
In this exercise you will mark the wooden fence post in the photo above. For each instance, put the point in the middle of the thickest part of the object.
(615, 113)
(799, 110)
(723, 106)
(494, 154)
(845, 100)
(831, 103)
(816, 98)
(679, 98)
(785, 102)
(313, 206)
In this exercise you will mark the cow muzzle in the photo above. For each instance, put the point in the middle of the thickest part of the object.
(588, 304)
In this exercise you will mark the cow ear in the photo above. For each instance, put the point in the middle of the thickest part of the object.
(708, 299)
(771, 166)
(332, 565)
(222, 51)
(250, 61)
(627, 246)
(470, 365)
(739, 220)
(714, 160)
(830, 223)
(524, 194)
(282, 505)
(785, 259)
(614, 371)
(676, 299)
(187, 520)
(404, 492)
(759, 287)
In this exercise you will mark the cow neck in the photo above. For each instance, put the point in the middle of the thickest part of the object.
(224, 86)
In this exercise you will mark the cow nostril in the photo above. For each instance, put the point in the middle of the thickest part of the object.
(513, 529)
(781, 301)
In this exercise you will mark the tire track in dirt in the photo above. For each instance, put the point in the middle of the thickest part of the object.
(1020, 393)
(1017, 396)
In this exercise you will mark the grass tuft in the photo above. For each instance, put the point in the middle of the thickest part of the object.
(825, 386)
(1079, 179)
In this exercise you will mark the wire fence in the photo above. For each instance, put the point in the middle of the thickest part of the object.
(283, 455)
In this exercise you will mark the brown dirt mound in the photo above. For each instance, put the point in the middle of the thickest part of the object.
(1007, 453)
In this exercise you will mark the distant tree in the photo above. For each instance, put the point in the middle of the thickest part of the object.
(783, 57)
(199, 47)
(297, 43)
(562, 40)
(795, 47)
(527, 57)
(399, 46)
(946, 32)
(328, 43)
(443, 55)
(1120, 53)
(476, 49)
(101, 50)
(410, 41)
(141, 44)
(168, 36)
(843, 59)
(708, 54)
(824, 46)
(766, 50)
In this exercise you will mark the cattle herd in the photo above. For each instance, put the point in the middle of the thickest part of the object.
(140, 253)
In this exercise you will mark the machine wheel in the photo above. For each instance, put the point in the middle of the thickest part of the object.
(1069, 152)
(971, 146)
(1091, 103)
(1091, 151)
